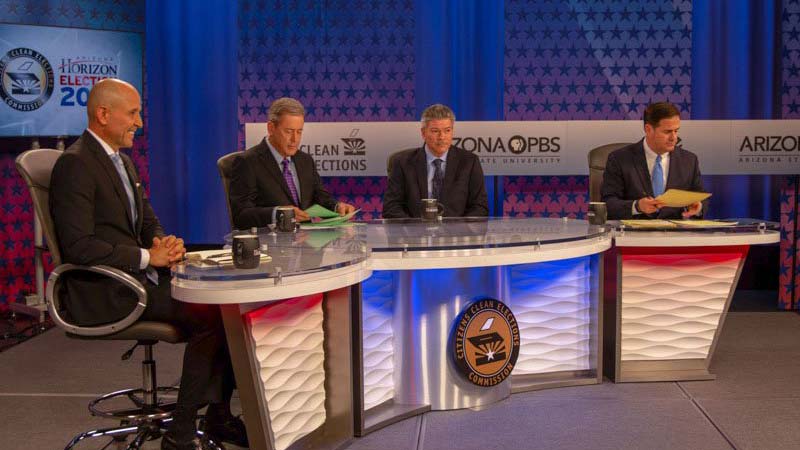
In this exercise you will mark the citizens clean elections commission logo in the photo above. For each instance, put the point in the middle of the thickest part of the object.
(334, 156)
(485, 342)
(27, 79)
(354, 145)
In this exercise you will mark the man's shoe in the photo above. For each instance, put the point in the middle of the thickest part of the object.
(198, 443)
(230, 430)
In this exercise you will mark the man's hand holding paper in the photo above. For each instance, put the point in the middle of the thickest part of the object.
(692, 210)
(344, 213)
(678, 198)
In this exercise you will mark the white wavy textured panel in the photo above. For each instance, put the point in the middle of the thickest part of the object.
(671, 304)
(378, 338)
(551, 302)
(288, 341)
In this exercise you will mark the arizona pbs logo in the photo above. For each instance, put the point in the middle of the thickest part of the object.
(515, 145)
(485, 342)
(27, 79)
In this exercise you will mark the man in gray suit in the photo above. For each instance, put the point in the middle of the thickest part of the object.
(436, 170)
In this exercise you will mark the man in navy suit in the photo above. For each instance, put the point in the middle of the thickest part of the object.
(436, 170)
(275, 173)
(638, 173)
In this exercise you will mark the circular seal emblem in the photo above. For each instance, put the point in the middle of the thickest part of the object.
(517, 144)
(485, 342)
(26, 79)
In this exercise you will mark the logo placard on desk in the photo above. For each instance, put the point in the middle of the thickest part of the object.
(485, 342)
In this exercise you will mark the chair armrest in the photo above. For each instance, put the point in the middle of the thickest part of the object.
(54, 302)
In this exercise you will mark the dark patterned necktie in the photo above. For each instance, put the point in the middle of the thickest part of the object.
(438, 179)
(287, 175)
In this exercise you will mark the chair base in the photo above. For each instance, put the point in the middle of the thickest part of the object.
(143, 411)
(143, 432)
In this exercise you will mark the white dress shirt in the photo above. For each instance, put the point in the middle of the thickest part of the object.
(144, 261)
(650, 156)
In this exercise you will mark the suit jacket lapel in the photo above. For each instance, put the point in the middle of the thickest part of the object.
(450, 171)
(137, 193)
(108, 166)
(306, 183)
(273, 168)
(642, 170)
(674, 159)
(421, 169)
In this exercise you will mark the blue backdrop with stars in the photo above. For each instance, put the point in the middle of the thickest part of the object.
(384, 60)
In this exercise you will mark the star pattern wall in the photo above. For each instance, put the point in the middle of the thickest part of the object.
(790, 58)
(16, 234)
(586, 60)
(789, 252)
(580, 59)
(120, 15)
(538, 196)
(355, 61)
(789, 280)
(344, 60)
(17, 271)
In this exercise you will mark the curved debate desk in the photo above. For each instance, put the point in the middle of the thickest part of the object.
(547, 271)
(288, 325)
(667, 294)
(346, 330)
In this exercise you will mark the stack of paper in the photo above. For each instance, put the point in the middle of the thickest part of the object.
(658, 223)
(213, 259)
(655, 223)
(703, 223)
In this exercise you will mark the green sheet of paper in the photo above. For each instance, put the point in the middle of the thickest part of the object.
(316, 210)
(331, 221)
(321, 238)
(337, 219)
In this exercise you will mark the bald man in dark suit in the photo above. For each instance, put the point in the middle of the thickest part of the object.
(103, 217)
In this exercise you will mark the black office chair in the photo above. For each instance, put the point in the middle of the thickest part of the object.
(148, 416)
(225, 167)
(597, 165)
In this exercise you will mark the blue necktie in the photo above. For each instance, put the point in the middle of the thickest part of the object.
(658, 178)
(438, 179)
(126, 182)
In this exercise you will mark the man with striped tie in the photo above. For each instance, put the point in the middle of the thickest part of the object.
(637, 174)
(274, 173)
(438, 170)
